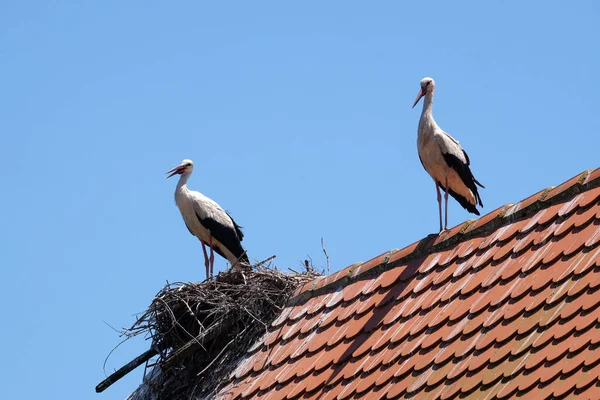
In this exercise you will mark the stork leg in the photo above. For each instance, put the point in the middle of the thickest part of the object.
(205, 258)
(212, 255)
(446, 198)
(439, 199)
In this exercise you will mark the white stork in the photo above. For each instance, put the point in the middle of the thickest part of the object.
(206, 220)
(444, 159)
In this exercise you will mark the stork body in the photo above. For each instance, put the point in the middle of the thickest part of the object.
(444, 159)
(206, 220)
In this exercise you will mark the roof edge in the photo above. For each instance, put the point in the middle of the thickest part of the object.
(509, 213)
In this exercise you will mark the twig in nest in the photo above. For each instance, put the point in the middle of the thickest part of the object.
(308, 264)
(219, 355)
(263, 262)
(199, 331)
(108, 356)
(326, 256)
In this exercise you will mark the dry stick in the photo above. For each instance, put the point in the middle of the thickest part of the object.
(310, 263)
(256, 319)
(326, 256)
(124, 370)
(199, 340)
(181, 300)
(212, 297)
(108, 356)
(219, 355)
(177, 323)
(265, 261)
(238, 259)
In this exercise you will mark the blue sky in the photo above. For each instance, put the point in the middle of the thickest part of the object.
(298, 117)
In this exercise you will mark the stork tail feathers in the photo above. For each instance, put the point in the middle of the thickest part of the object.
(472, 208)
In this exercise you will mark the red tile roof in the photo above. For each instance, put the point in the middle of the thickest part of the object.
(508, 305)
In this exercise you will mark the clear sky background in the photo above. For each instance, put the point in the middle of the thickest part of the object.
(298, 117)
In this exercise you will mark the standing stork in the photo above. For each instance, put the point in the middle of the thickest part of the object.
(206, 220)
(444, 159)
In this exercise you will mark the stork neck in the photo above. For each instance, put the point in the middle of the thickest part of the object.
(427, 113)
(428, 103)
(182, 181)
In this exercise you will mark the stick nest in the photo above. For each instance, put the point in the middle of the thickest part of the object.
(202, 330)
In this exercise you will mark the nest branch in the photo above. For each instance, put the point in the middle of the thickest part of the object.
(200, 331)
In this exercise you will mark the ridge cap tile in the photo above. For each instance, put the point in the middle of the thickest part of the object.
(409, 250)
(577, 180)
(523, 204)
(449, 234)
(487, 218)
(593, 175)
(381, 259)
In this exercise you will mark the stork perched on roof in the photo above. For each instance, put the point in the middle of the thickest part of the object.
(444, 159)
(206, 220)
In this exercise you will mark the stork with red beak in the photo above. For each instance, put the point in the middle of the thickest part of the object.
(206, 220)
(444, 159)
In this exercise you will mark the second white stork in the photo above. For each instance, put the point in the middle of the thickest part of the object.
(206, 220)
(444, 159)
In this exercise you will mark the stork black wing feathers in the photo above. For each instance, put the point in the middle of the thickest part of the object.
(231, 239)
(238, 229)
(465, 174)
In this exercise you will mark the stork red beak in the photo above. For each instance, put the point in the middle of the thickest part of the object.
(422, 93)
(175, 171)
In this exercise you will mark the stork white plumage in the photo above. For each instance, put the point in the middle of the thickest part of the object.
(444, 159)
(206, 220)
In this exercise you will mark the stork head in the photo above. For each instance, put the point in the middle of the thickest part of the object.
(186, 167)
(427, 86)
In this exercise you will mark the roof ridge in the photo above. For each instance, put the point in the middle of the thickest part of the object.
(509, 213)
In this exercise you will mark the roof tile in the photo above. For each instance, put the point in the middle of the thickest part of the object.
(549, 214)
(389, 278)
(331, 392)
(589, 375)
(594, 237)
(527, 380)
(398, 388)
(508, 307)
(450, 391)
(585, 260)
(352, 291)
(573, 204)
(590, 392)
